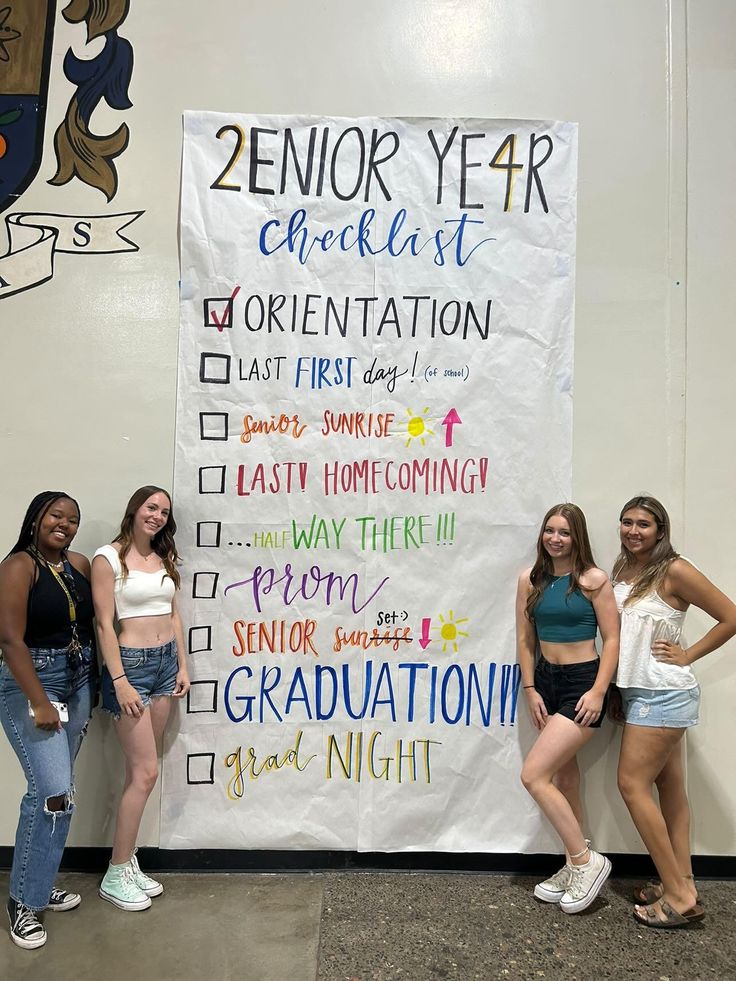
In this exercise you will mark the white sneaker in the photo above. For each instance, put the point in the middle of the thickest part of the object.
(553, 889)
(119, 888)
(586, 881)
(144, 882)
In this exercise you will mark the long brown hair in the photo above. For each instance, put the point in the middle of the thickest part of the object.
(663, 555)
(163, 541)
(581, 554)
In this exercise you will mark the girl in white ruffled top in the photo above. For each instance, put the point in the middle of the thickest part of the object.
(654, 586)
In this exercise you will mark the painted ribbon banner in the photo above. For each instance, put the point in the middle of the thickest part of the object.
(36, 238)
(373, 414)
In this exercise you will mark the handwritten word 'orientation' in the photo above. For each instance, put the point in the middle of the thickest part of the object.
(392, 317)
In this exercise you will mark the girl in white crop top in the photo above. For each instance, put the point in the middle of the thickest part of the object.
(134, 583)
(654, 587)
(142, 593)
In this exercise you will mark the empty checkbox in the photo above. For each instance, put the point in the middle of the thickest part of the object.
(202, 698)
(213, 425)
(204, 585)
(212, 480)
(200, 768)
(208, 534)
(200, 639)
(214, 369)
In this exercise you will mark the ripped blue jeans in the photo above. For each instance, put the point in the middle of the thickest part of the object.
(47, 759)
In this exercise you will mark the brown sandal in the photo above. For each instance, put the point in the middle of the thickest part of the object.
(649, 892)
(648, 916)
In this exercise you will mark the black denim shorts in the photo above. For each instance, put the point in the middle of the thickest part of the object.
(561, 686)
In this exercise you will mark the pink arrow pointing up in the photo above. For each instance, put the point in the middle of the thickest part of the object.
(450, 420)
(425, 640)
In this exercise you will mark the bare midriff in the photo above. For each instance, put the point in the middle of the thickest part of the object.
(151, 631)
(578, 652)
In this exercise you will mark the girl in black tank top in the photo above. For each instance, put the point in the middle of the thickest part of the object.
(47, 682)
(47, 619)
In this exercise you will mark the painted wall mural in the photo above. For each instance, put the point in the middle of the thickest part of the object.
(26, 42)
(79, 153)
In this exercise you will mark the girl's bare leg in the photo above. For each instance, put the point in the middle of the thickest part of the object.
(138, 739)
(645, 751)
(551, 755)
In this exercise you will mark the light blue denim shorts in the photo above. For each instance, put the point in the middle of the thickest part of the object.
(150, 670)
(672, 708)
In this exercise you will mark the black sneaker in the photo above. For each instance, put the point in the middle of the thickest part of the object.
(26, 930)
(61, 900)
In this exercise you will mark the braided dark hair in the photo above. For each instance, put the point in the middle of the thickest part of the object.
(36, 510)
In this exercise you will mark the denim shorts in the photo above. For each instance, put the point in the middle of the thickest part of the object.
(562, 685)
(150, 670)
(672, 708)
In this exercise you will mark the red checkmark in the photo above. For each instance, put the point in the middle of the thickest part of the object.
(220, 321)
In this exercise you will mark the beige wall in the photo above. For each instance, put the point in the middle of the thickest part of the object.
(88, 368)
(710, 474)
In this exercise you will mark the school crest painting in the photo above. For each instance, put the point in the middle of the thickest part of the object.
(26, 37)
(26, 42)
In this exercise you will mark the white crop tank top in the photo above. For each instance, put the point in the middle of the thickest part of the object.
(648, 619)
(142, 594)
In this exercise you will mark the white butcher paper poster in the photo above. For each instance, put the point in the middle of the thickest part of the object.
(373, 414)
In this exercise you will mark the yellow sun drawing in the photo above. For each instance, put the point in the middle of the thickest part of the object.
(449, 632)
(416, 427)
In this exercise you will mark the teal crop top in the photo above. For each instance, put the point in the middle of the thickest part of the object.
(563, 618)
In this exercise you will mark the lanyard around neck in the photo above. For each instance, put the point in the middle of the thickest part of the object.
(59, 578)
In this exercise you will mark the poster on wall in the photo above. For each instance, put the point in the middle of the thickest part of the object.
(373, 414)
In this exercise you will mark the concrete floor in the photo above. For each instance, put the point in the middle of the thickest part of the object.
(360, 926)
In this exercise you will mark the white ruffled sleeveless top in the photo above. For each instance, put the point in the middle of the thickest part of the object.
(643, 622)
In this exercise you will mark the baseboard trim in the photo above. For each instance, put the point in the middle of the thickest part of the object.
(77, 859)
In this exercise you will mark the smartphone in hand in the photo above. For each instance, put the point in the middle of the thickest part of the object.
(61, 708)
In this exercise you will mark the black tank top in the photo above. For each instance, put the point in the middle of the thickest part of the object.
(47, 623)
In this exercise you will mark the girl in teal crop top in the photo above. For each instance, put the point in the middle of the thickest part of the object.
(562, 616)
(561, 604)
